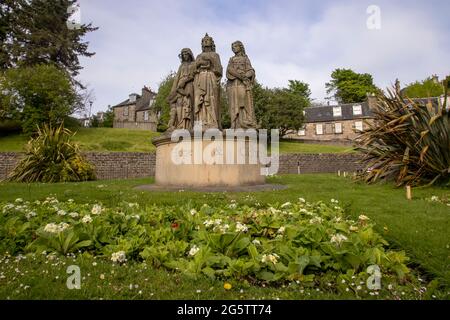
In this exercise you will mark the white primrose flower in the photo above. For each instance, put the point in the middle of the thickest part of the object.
(208, 223)
(96, 209)
(193, 212)
(281, 230)
(61, 213)
(30, 214)
(273, 258)
(240, 227)
(119, 256)
(132, 205)
(218, 222)
(433, 198)
(338, 239)
(302, 200)
(316, 220)
(232, 206)
(194, 250)
(73, 214)
(19, 200)
(363, 218)
(56, 228)
(354, 228)
(256, 242)
(222, 228)
(285, 205)
(334, 201)
(86, 219)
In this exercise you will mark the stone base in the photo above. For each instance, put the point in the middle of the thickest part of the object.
(253, 188)
(169, 173)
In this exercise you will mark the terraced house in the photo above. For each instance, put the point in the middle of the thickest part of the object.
(341, 124)
(137, 112)
(336, 123)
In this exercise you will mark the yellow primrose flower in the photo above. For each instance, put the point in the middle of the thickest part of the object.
(227, 286)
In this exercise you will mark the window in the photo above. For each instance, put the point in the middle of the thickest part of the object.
(302, 132)
(319, 129)
(337, 112)
(338, 128)
(125, 111)
(145, 115)
(358, 126)
(357, 110)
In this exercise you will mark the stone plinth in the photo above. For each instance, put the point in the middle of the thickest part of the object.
(199, 168)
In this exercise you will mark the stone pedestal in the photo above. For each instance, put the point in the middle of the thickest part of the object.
(197, 168)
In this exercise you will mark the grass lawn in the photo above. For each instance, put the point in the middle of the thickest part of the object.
(126, 140)
(419, 227)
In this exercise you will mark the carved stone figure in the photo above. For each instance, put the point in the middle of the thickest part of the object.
(208, 73)
(241, 78)
(181, 97)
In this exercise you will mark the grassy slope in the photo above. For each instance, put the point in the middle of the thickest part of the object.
(418, 226)
(125, 140)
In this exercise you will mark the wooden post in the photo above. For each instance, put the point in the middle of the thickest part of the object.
(345, 174)
(408, 193)
(339, 173)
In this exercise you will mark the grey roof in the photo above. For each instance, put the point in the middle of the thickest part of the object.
(325, 113)
(142, 101)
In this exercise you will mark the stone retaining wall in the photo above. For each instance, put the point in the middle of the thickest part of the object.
(126, 165)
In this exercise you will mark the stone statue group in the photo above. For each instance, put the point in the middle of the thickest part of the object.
(195, 94)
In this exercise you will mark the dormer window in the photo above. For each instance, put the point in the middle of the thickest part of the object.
(337, 112)
(125, 111)
(133, 97)
(357, 110)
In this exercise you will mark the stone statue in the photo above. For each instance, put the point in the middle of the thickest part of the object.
(241, 78)
(181, 97)
(208, 73)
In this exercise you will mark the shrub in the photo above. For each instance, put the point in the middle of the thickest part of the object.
(409, 142)
(51, 157)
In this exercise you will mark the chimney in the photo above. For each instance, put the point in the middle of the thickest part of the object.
(372, 101)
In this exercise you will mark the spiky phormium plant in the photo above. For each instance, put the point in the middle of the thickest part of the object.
(409, 142)
(52, 157)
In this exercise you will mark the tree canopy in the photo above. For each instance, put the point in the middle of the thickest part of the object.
(36, 95)
(35, 32)
(347, 86)
(281, 108)
(430, 87)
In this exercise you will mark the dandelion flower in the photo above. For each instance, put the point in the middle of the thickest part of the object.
(227, 286)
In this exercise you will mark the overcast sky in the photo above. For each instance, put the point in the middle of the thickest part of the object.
(138, 41)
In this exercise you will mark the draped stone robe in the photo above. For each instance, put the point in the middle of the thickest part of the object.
(207, 89)
(239, 91)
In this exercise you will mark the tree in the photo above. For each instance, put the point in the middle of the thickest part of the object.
(39, 34)
(300, 88)
(430, 87)
(348, 86)
(8, 19)
(161, 104)
(36, 95)
(108, 118)
(281, 108)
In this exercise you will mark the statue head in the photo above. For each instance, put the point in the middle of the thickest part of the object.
(208, 42)
(186, 55)
(238, 48)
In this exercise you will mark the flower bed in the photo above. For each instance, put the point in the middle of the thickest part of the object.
(304, 243)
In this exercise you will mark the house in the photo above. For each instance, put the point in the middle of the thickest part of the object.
(341, 124)
(335, 123)
(137, 112)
